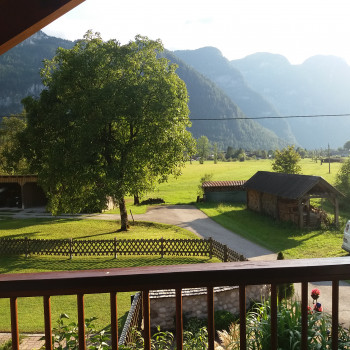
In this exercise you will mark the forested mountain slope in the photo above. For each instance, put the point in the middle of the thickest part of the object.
(20, 76)
(210, 62)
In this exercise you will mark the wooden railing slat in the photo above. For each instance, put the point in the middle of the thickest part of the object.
(304, 315)
(274, 339)
(211, 323)
(146, 319)
(179, 320)
(81, 322)
(335, 314)
(14, 323)
(48, 327)
(114, 320)
(242, 317)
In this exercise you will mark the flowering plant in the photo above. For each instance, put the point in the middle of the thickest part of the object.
(318, 307)
(315, 294)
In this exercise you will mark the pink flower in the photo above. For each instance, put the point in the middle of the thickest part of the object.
(315, 294)
(309, 310)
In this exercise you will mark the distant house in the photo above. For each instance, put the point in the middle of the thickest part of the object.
(287, 197)
(224, 191)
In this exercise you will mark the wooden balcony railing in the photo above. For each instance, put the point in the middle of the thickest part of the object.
(179, 276)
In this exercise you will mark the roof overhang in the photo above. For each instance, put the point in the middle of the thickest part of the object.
(22, 18)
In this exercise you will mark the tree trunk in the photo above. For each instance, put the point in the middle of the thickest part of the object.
(136, 199)
(124, 222)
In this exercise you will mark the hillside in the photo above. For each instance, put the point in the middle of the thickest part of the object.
(20, 70)
(19, 74)
(206, 100)
(321, 85)
(210, 62)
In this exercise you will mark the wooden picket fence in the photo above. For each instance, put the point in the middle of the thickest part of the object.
(114, 247)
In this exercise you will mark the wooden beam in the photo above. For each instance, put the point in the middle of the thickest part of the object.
(22, 18)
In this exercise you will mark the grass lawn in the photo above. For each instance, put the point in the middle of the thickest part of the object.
(183, 190)
(96, 304)
(277, 236)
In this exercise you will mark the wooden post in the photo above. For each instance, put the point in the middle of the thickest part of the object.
(26, 246)
(225, 253)
(162, 247)
(301, 216)
(48, 326)
(210, 247)
(81, 322)
(336, 212)
(179, 320)
(115, 247)
(14, 323)
(71, 249)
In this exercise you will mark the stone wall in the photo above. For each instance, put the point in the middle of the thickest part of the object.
(194, 302)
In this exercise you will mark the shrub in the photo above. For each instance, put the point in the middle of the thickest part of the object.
(223, 319)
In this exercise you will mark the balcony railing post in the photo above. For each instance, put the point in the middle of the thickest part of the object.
(48, 327)
(335, 314)
(114, 321)
(211, 322)
(14, 323)
(273, 316)
(304, 315)
(81, 322)
(179, 320)
(146, 319)
(242, 318)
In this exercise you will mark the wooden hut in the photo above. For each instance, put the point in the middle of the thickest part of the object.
(224, 191)
(287, 197)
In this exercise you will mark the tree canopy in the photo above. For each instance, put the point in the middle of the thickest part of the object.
(203, 148)
(286, 161)
(11, 161)
(110, 122)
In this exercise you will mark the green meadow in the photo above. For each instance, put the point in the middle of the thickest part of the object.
(183, 189)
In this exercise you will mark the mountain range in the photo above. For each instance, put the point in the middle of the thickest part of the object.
(260, 85)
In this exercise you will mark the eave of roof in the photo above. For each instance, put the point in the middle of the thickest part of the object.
(22, 18)
(236, 183)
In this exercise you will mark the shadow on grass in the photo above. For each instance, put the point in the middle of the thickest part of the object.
(19, 264)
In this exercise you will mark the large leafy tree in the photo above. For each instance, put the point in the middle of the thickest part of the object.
(11, 161)
(111, 121)
(203, 148)
(287, 161)
(343, 178)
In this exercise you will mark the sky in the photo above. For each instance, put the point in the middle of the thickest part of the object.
(296, 29)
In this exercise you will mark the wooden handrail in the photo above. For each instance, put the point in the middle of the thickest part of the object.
(173, 276)
(180, 276)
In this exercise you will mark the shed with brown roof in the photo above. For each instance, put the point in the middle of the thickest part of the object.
(287, 197)
(224, 191)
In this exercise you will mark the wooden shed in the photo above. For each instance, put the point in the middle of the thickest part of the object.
(287, 197)
(224, 191)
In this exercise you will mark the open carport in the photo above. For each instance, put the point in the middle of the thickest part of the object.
(21, 191)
